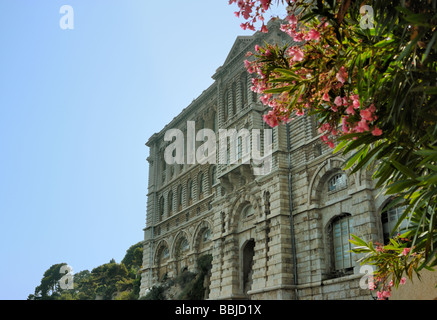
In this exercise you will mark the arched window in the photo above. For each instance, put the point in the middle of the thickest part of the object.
(180, 198)
(243, 82)
(337, 182)
(213, 175)
(204, 240)
(247, 211)
(248, 254)
(190, 192)
(184, 245)
(214, 122)
(342, 228)
(165, 253)
(201, 186)
(234, 99)
(206, 235)
(181, 247)
(163, 162)
(161, 208)
(226, 105)
(170, 202)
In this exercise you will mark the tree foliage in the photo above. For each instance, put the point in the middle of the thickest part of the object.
(107, 282)
(49, 288)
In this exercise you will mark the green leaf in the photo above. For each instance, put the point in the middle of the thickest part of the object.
(429, 47)
(410, 46)
(291, 74)
(384, 43)
(280, 90)
(340, 146)
(405, 170)
(351, 161)
(401, 186)
(369, 157)
(357, 241)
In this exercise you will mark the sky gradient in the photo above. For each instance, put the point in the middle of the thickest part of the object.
(76, 109)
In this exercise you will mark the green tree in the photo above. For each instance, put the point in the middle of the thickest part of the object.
(105, 281)
(49, 288)
(134, 256)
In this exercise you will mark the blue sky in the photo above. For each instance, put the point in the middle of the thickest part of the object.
(76, 108)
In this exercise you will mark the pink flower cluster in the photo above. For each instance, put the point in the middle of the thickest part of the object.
(355, 118)
(345, 112)
(252, 12)
(299, 35)
(385, 292)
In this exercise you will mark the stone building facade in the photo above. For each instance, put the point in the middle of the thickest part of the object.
(279, 235)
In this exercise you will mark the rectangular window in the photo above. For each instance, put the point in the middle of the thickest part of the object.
(389, 220)
(342, 229)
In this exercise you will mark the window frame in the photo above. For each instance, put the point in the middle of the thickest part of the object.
(337, 182)
(340, 229)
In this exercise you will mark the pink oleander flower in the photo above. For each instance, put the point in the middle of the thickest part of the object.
(300, 113)
(363, 125)
(326, 97)
(265, 4)
(288, 29)
(271, 119)
(265, 98)
(403, 281)
(292, 19)
(377, 132)
(366, 114)
(342, 75)
(298, 56)
(338, 101)
(350, 110)
(356, 104)
(406, 251)
(264, 29)
(313, 35)
(383, 295)
(298, 37)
